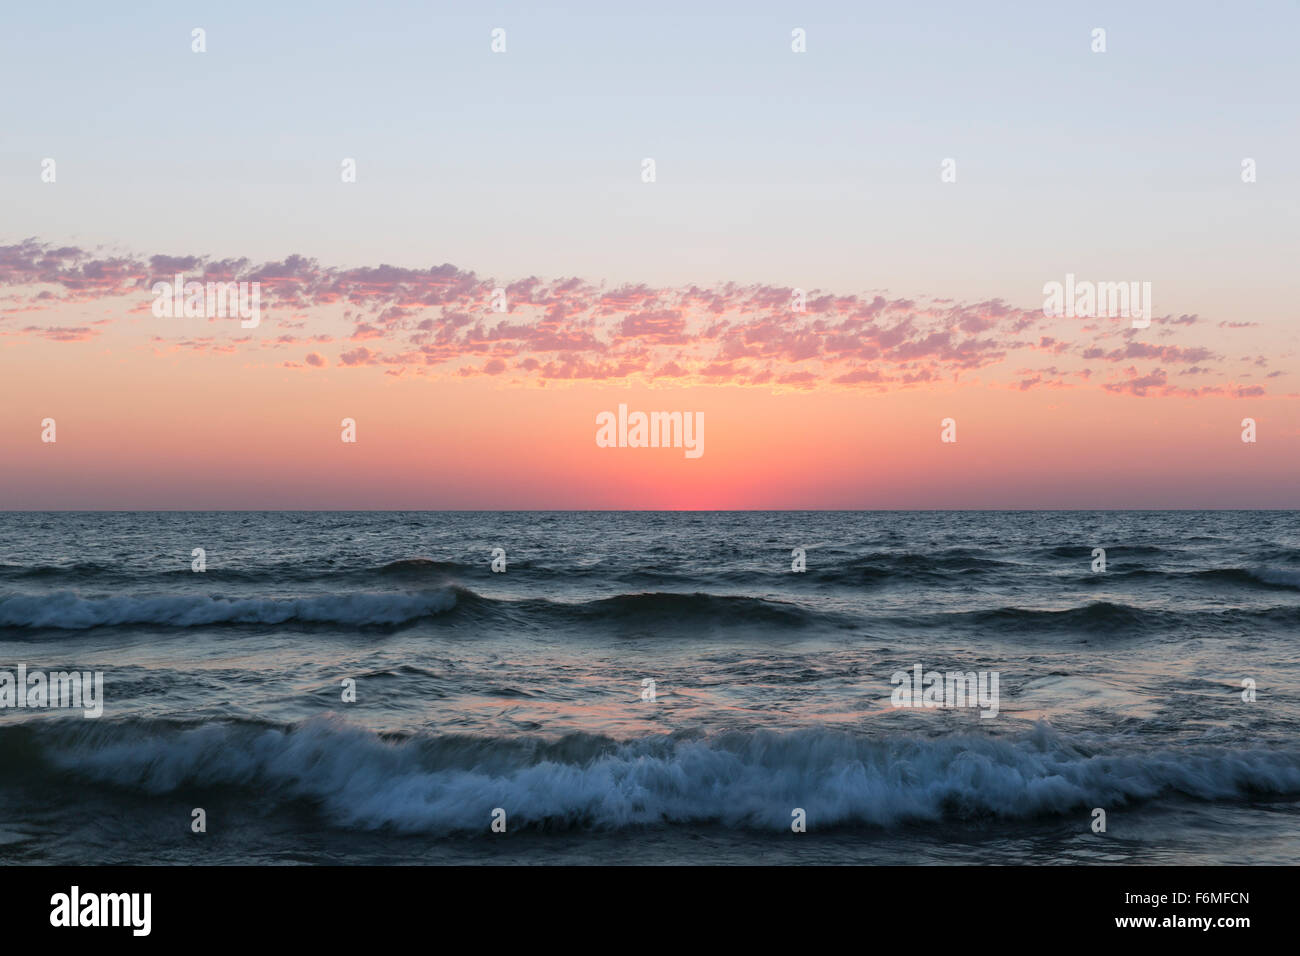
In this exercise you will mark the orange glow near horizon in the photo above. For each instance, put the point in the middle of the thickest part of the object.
(838, 408)
(188, 436)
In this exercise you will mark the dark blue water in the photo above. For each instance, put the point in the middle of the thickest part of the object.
(523, 690)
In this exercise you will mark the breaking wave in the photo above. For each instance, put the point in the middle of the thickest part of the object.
(444, 784)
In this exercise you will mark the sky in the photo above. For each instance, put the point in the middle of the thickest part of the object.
(839, 249)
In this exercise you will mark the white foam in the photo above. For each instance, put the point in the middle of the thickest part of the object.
(69, 611)
(450, 784)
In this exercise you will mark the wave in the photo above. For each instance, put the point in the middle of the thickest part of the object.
(941, 568)
(1084, 553)
(1252, 577)
(695, 608)
(1106, 618)
(663, 612)
(1277, 577)
(1098, 616)
(68, 611)
(449, 784)
(286, 569)
(841, 569)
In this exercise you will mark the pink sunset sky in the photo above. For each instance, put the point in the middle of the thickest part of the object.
(459, 405)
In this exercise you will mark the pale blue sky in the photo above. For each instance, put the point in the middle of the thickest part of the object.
(817, 169)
